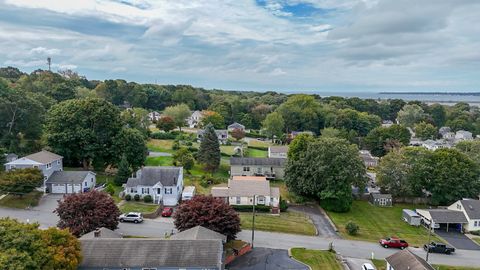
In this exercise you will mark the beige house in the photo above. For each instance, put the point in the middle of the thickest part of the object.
(271, 168)
(277, 151)
(242, 190)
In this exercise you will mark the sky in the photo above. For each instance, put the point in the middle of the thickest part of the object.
(280, 45)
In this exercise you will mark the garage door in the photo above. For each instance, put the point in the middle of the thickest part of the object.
(58, 188)
(77, 188)
(74, 189)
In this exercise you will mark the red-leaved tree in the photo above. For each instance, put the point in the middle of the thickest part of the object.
(82, 213)
(209, 212)
(238, 134)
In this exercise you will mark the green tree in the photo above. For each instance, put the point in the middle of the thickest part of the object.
(132, 144)
(84, 130)
(327, 171)
(273, 125)
(209, 151)
(361, 122)
(425, 131)
(302, 113)
(184, 158)
(137, 118)
(166, 124)
(214, 118)
(381, 139)
(178, 113)
(124, 171)
(410, 115)
(439, 114)
(63, 249)
(299, 145)
(471, 149)
(20, 181)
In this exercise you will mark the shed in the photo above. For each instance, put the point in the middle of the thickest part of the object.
(378, 199)
(188, 193)
(411, 217)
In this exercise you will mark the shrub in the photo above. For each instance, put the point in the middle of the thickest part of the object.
(136, 197)
(249, 208)
(208, 180)
(110, 189)
(128, 197)
(475, 232)
(147, 199)
(176, 145)
(163, 135)
(352, 228)
(283, 205)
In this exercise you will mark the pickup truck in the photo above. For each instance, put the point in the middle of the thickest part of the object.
(438, 248)
(393, 242)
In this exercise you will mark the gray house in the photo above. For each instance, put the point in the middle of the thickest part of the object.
(379, 199)
(163, 183)
(222, 135)
(45, 161)
(65, 182)
(199, 233)
(10, 157)
(143, 254)
(234, 126)
(272, 168)
(405, 259)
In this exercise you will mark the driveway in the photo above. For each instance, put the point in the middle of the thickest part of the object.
(48, 202)
(354, 263)
(458, 240)
(266, 259)
(324, 228)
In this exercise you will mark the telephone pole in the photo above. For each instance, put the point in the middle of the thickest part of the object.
(429, 237)
(49, 62)
(253, 221)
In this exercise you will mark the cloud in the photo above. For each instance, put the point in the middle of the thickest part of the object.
(44, 51)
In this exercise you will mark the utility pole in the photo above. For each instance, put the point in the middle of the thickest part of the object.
(253, 221)
(49, 62)
(429, 236)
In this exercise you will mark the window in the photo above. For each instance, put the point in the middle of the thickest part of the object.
(91, 180)
(85, 183)
(58, 162)
(12, 166)
(35, 166)
(238, 200)
(246, 169)
(168, 190)
(475, 224)
(159, 190)
(131, 190)
(149, 268)
(49, 165)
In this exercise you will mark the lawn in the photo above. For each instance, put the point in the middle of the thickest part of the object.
(228, 150)
(381, 265)
(378, 222)
(285, 193)
(160, 145)
(141, 207)
(317, 259)
(287, 222)
(258, 143)
(159, 161)
(29, 200)
(251, 152)
(476, 239)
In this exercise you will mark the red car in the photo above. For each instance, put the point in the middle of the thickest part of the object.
(393, 242)
(167, 212)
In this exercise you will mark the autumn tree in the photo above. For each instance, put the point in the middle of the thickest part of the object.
(209, 151)
(166, 123)
(20, 181)
(178, 113)
(214, 118)
(63, 249)
(238, 134)
(212, 213)
(82, 213)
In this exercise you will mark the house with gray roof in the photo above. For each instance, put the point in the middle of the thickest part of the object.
(102, 233)
(442, 219)
(234, 126)
(272, 168)
(406, 260)
(379, 199)
(11, 157)
(222, 135)
(278, 151)
(45, 161)
(163, 183)
(199, 233)
(150, 253)
(471, 209)
(65, 182)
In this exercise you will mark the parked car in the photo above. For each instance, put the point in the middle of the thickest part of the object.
(393, 242)
(131, 217)
(438, 248)
(167, 212)
(367, 266)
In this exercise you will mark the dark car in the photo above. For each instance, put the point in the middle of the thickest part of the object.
(438, 248)
(393, 242)
(167, 212)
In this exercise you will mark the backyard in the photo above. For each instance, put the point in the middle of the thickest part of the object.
(316, 259)
(379, 222)
(287, 222)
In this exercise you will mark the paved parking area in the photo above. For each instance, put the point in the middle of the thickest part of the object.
(354, 263)
(458, 240)
(266, 259)
(48, 202)
(321, 222)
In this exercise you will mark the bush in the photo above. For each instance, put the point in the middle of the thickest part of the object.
(110, 189)
(128, 197)
(163, 135)
(136, 197)
(283, 205)
(208, 180)
(352, 228)
(249, 208)
(337, 205)
(176, 145)
(147, 199)
(475, 232)
(255, 135)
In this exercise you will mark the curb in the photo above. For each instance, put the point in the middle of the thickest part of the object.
(291, 257)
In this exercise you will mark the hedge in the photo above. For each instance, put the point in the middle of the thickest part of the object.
(255, 135)
(163, 135)
(249, 208)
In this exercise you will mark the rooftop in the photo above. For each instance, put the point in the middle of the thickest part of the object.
(68, 177)
(406, 260)
(472, 208)
(151, 175)
(199, 233)
(278, 149)
(277, 162)
(44, 157)
(101, 233)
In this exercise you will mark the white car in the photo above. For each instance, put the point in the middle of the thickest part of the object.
(132, 217)
(367, 266)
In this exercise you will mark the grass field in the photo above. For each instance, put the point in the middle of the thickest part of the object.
(476, 239)
(287, 222)
(28, 200)
(381, 265)
(317, 259)
(141, 207)
(159, 161)
(285, 193)
(258, 143)
(378, 222)
(251, 152)
(160, 145)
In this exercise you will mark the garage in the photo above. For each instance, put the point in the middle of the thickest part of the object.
(58, 188)
(67, 182)
(442, 219)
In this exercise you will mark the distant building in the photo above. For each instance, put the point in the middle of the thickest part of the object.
(154, 116)
(405, 259)
(222, 135)
(379, 199)
(444, 130)
(236, 126)
(463, 135)
(368, 159)
(11, 157)
(387, 123)
(277, 151)
(437, 144)
(272, 168)
(194, 120)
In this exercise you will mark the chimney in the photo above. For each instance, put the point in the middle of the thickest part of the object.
(96, 234)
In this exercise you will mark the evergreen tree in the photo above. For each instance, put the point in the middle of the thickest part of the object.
(123, 171)
(209, 152)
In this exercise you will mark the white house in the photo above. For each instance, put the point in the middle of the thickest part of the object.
(463, 135)
(277, 151)
(65, 182)
(234, 126)
(405, 259)
(222, 135)
(471, 210)
(154, 116)
(241, 190)
(194, 120)
(45, 161)
(437, 144)
(164, 184)
(368, 159)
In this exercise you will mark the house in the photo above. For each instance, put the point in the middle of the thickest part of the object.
(150, 253)
(154, 116)
(387, 123)
(272, 168)
(222, 135)
(199, 233)
(164, 184)
(194, 120)
(444, 130)
(236, 125)
(368, 159)
(406, 260)
(65, 182)
(448, 136)
(45, 161)
(188, 193)
(463, 135)
(442, 219)
(277, 151)
(437, 144)
(11, 157)
(379, 199)
(471, 209)
(102, 233)
(244, 190)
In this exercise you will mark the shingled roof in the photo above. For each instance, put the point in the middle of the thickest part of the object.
(406, 260)
(242, 161)
(149, 176)
(44, 157)
(101, 233)
(199, 233)
(472, 208)
(150, 253)
(447, 216)
(67, 177)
